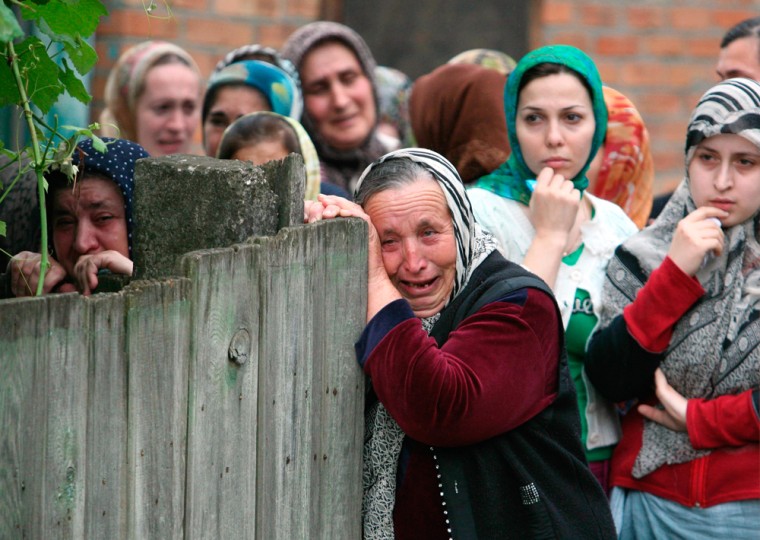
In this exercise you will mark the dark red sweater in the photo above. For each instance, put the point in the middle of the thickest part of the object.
(462, 393)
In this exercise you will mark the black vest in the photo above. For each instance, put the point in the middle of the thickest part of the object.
(533, 481)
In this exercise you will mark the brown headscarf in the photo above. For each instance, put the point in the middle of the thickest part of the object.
(127, 81)
(627, 171)
(457, 110)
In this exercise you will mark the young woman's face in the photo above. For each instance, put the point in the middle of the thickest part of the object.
(231, 103)
(418, 245)
(168, 112)
(88, 219)
(725, 173)
(262, 152)
(555, 124)
(338, 96)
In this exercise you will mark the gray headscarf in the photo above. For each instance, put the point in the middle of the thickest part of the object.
(340, 166)
(715, 347)
(383, 438)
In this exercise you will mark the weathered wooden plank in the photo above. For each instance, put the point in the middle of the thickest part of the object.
(106, 478)
(43, 398)
(305, 364)
(339, 315)
(222, 425)
(158, 351)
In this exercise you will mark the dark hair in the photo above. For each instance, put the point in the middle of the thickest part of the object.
(746, 28)
(254, 128)
(545, 69)
(390, 174)
(210, 98)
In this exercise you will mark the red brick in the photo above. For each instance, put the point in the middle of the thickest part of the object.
(616, 46)
(656, 103)
(247, 8)
(703, 47)
(608, 71)
(691, 18)
(218, 32)
(598, 15)
(645, 17)
(725, 19)
(198, 5)
(310, 9)
(274, 35)
(555, 12)
(664, 45)
(137, 24)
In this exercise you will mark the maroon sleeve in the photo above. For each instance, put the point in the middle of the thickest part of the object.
(729, 420)
(495, 371)
(659, 304)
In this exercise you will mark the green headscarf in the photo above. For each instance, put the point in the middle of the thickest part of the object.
(509, 179)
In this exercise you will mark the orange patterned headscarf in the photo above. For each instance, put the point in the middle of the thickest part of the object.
(627, 171)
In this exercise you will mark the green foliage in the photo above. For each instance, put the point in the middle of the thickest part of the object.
(32, 80)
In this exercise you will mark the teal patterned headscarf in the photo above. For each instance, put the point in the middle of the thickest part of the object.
(509, 179)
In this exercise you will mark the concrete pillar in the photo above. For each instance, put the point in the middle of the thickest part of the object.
(186, 203)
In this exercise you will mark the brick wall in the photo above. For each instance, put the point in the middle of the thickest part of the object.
(661, 54)
(207, 29)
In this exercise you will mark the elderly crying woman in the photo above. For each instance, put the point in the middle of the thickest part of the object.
(472, 427)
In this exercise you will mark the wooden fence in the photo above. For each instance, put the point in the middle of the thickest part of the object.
(226, 403)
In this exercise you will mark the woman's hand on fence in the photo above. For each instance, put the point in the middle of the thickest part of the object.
(697, 236)
(87, 267)
(25, 273)
(673, 416)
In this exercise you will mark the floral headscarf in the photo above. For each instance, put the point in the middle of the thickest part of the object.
(509, 179)
(278, 87)
(488, 58)
(626, 174)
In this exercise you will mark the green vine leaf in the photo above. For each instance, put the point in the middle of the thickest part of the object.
(39, 72)
(73, 84)
(9, 28)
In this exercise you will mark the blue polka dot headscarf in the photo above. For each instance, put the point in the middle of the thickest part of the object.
(118, 164)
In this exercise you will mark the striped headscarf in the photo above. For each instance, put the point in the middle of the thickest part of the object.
(509, 179)
(715, 349)
(383, 436)
(473, 243)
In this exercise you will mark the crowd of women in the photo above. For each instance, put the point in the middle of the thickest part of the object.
(541, 365)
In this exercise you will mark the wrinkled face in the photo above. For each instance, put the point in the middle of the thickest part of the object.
(418, 244)
(555, 124)
(168, 111)
(740, 58)
(231, 103)
(88, 219)
(725, 173)
(262, 151)
(338, 96)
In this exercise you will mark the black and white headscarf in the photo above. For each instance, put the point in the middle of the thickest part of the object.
(383, 437)
(715, 348)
